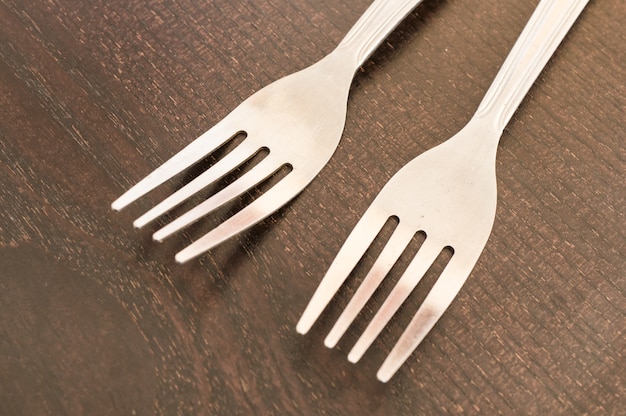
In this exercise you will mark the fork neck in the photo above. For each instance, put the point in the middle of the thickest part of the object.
(380, 18)
(539, 39)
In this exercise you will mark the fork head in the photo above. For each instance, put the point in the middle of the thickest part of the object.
(448, 193)
(298, 120)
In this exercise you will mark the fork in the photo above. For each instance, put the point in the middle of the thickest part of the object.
(448, 193)
(298, 119)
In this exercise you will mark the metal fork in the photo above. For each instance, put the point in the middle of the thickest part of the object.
(298, 119)
(449, 193)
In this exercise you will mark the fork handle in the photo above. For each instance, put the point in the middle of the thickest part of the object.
(539, 39)
(380, 18)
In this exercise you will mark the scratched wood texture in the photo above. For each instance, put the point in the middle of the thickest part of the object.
(97, 319)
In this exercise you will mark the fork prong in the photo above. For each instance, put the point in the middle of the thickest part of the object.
(266, 204)
(192, 153)
(245, 182)
(422, 261)
(398, 241)
(232, 160)
(441, 295)
(350, 253)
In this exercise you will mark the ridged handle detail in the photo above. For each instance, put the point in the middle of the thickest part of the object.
(380, 18)
(543, 33)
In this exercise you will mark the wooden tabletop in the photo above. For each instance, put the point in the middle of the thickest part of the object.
(96, 318)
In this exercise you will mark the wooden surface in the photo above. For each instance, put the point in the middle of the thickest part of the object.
(95, 318)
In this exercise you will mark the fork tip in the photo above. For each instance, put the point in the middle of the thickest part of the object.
(116, 205)
(182, 258)
(138, 223)
(354, 358)
(384, 374)
(301, 328)
(330, 342)
(383, 378)
(159, 236)
(123, 201)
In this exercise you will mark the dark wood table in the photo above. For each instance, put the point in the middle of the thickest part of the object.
(96, 318)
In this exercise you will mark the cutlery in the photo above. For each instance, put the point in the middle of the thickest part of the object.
(448, 193)
(298, 120)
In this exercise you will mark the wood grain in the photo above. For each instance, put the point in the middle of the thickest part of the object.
(95, 318)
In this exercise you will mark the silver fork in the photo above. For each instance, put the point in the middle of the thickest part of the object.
(298, 119)
(449, 193)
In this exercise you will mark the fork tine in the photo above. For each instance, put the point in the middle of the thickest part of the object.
(422, 261)
(441, 295)
(192, 153)
(254, 176)
(232, 160)
(260, 208)
(398, 241)
(350, 253)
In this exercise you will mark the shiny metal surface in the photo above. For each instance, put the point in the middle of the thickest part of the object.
(449, 193)
(299, 119)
